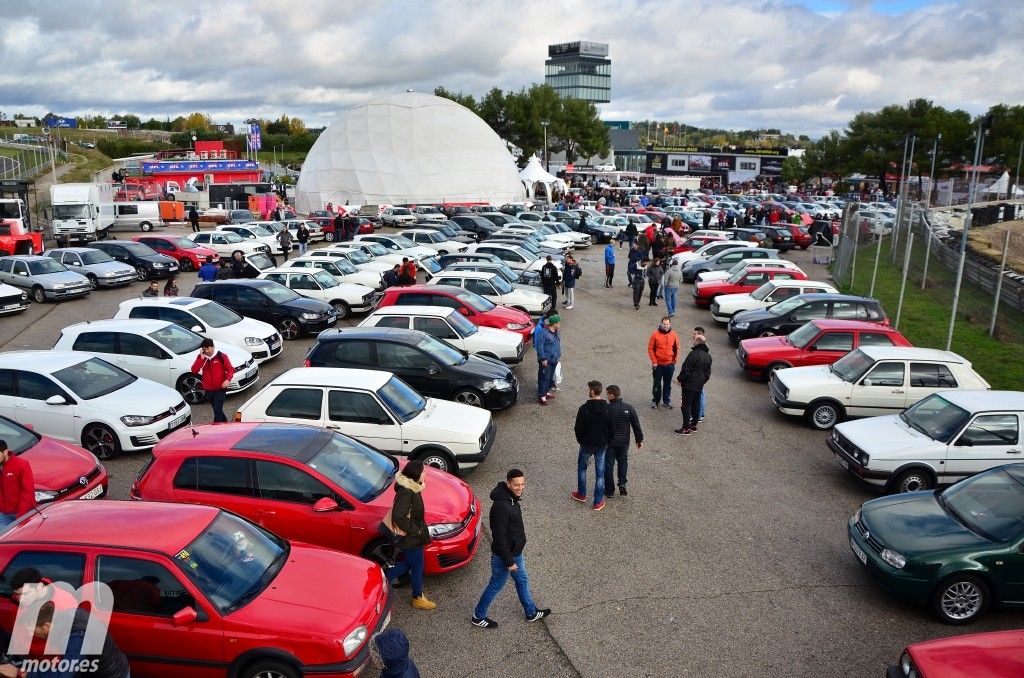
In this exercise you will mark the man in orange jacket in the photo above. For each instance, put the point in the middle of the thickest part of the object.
(663, 349)
(17, 488)
(217, 373)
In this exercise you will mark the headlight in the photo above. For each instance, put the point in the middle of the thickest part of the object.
(907, 666)
(24, 296)
(309, 316)
(516, 326)
(45, 495)
(742, 325)
(500, 384)
(442, 530)
(864, 458)
(835, 436)
(159, 264)
(136, 420)
(895, 559)
(253, 341)
(59, 286)
(354, 640)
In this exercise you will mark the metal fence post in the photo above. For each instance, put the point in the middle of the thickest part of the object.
(903, 283)
(999, 285)
(927, 252)
(874, 274)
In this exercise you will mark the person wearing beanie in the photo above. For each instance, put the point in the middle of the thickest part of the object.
(390, 653)
(548, 345)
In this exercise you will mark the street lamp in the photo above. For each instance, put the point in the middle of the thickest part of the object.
(547, 161)
(931, 174)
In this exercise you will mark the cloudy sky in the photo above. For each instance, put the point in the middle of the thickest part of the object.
(803, 65)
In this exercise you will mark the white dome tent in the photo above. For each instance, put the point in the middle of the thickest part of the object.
(407, 148)
(534, 174)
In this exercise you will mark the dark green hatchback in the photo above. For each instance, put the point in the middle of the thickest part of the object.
(957, 551)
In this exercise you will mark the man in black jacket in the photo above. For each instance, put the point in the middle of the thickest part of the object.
(549, 280)
(508, 538)
(623, 418)
(694, 373)
(593, 431)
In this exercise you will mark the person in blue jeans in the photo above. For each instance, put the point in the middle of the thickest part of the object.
(593, 432)
(508, 539)
(548, 345)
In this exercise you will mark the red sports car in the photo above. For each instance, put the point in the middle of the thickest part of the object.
(189, 255)
(478, 310)
(996, 654)
(742, 281)
(61, 471)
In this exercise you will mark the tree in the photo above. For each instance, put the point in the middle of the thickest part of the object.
(793, 170)
(296, 127)
(580, 131)
(466, 100)
(196, 122)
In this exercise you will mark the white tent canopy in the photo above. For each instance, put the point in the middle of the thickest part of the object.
(1000, 185)
(534, 174)
(407, 148)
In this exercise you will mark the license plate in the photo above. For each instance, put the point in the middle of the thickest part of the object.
(8, 307)
(177, 421)
(93, 493)
(842, 462)
(857, 551)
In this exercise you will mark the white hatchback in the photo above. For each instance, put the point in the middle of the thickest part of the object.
(724, 307)
(744, 263)
(354, 256)
(494, 287)
(340, 267)
(433, 240)
(313, 283)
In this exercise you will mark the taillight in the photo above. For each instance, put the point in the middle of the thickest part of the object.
(133, 493)
(238, 417)
(307, 363)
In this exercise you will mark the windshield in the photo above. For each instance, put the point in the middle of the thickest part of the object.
(44, 266)
(990, 504)
(95, 257)
(259, 261)
(403, 402)
(546, 230)
(402, 241)
(215, 315)
(441, 352)
(401, 212)
(784, 307)
(562, 228)
(138, 249)
(279, 293)
(936, 418)
(260, 231)
(177, 339)
(232, 237)
(803, 335)
(449, 231)
(93, 378)
(357, 257)
(184, 243)
(359, 470)
(529, 247)
(232, 561)
(737, 276)
(18, 439)
(341, 265)
(762, 291)
(376, 249)
(70, 211)
(325, 279)
(463, 326)
(474, 301)
(852, 366)
(435, 237)
(501, 285)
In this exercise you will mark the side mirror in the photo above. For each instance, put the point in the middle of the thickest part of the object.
(867, 382)
(463, 310)
(432, 370)
(812, 347)
(197, 328)
(185, 615)
(325, 504)
(56, 400)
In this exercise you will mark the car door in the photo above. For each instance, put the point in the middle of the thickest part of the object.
(809, 311)
(307, 286)
(991, 439)
(780, 294)
(19, 275)
(72, 261)
(412, 366)
(927, 378)
(287, 494)
(295, 405)
(7, 393)
(142, 357)
(881, 391)
(828, 347)
(223, 481)
(484, 288)
(254, 304)
(118, 253)
(439, 328)
(56, 563)
(359, 414)
(31, 408)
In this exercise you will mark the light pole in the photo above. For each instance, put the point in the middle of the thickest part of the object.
(1016, 179)
(547, 161)
(931, 174)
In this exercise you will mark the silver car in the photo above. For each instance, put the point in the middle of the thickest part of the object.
(98, 266)
(44, 278)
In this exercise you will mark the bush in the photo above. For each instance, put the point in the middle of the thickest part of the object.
(122, 148)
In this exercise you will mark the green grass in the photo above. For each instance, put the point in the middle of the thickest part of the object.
(87, 161)
(925, 316)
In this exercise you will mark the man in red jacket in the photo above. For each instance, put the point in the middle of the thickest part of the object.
(217, 373)
(17, 489)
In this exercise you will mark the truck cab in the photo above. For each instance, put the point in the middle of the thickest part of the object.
(81, 212)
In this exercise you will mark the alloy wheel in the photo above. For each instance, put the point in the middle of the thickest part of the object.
(191, 389)
(290, 328)
(100, 441)
(962, 600)
(824, 416)
(469, 397)
(140, 273)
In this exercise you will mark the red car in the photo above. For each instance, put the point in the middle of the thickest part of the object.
(200, 592)
(801, 237)
(996, 654)
(696, 242)
(745, 280)
(819, 342)
(307, 484)
(480, 311)
(188, 254)
(60, 471)
(365, 227)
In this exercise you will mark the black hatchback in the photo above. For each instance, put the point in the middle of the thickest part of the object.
(272, 303)
(432, 367)
(786, 316)
(146, 261)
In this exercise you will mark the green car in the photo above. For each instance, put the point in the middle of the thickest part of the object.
(957, 551)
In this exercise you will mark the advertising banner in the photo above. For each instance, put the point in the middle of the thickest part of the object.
(58, 121)
(657, 163)
(771, 166)
(700, 163)
(723, 163)
(255, 138)
(199, 166)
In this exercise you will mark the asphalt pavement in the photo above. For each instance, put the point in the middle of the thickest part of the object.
(728, 558)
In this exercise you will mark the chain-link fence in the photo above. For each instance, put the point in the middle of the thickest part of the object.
(24, 161)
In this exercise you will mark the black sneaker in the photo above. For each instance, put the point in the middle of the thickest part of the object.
(654, 406)
(537, 616)
(622, 490)
(609, 494)
(485, 623)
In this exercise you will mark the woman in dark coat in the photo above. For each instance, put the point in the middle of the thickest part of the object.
(409, 522)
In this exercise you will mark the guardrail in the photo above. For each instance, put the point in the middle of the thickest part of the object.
(30, 160)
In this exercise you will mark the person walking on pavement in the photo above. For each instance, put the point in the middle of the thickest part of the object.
(508, 539)
(302, 236)
(663, 350)
(638, 284)
(217, 373)
(285, 239)
(654, 273)
(193, 218)
(636, 255)
(593, 431)
(630, 234)
(694, 373)
(549, 279)
(570, 274)
(609, 264)
(17, 486)
(548, 345)
(623, 418)
(408, 521)
(671, 281)
(208, 271)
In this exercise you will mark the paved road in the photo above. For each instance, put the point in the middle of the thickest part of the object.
(728, 558)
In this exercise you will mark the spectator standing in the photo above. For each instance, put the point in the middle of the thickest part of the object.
(623, 418)
(390, 653)
(548, 346)
(208, 271)
(170, 287)
(609, 263)
(638, 284)
(17, 487)
(285, 240)
(570, 274)
(152, 290)
(409, 271)
(694, 373)
(593, 431)
(663, 350)
(508, 539)
(630, 234)
(193, 218)
(225, 271)
(408, 521)
(339, 228)
(654, 273)
(706, 219)
(237, 264)
(217, 372)
(549, 279)
(302, 236)
(671, 281)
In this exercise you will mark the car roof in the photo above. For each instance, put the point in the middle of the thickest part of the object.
(399, 334)
(911, 353)
(142, 525)
(293, 269)
(41, 361)
(333, 376)
(761, 268)
(26, 257)
(475, 275)
(183, 302)
(247, 282)
(977, 401)
(418, 230)
(836, 324)
(139, 325)
(435, 311)
(450, 289)
(819, 296)
(77, 250)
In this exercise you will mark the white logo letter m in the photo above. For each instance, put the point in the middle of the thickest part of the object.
(101, 601)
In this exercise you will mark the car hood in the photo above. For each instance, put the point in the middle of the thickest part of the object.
(56, 465)
(685, 257)
(249, 327)
(817, 377)
(506, 314)
(482, 368)
(201, 252)
(733, 300)
(492, 336)
(531, 295)
(142, 397)
(62, 277)
(235, 354)
(303, 305)
(156, 258)
(887, 437)
(914, 523)
(775, 346)
(755, 315)
(111, 267)
(452, 418)
(976, 655)
(447, 501)
(715, 275)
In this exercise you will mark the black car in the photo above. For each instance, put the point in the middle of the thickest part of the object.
(143, 258)
(447, 260)
(788, 315)
(272, 303)
(431, 366)
(477, 225)
(598, 232)
(499, 219)
(781, 238)
(749, 234)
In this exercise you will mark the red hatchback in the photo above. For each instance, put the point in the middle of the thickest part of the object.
(997, 654)
(61, 471)
(801, 236)
(188, 254)
(696, 242)
(307, 484)
(479, 311)
(200, 592)
(746, 280)
(819, 342)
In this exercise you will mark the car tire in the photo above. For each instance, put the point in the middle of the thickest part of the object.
(772, 369)
(380, 552)
(185, 264)
(290, 328)
(93, 282)
(343, 310)
(766, 333)
(439, 459)
(190, 386)
(960, 599)
(269, 668)
(141, 273)
(145, 227)
(101, 441)
(38, 294)
(329, 236)
(824, 414)
(912, 480)
(469, 396)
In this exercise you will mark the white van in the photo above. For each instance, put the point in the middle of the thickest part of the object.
(144, 215)
(81, 212)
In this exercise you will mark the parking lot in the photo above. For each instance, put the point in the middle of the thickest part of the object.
(729, 557)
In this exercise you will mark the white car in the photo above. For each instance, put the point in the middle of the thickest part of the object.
(355, 256)
(254, 233)
(559, 232)
(726, 306)
(869, 381)
(447, 324)
(618, 224)
(87, 401)
(428, 213)
(378, 409)
(745, 263)
(157, 350)
(515, 257)
(316, 231)
(12, 300)
(494, 287)
(543, 241)
(432, 240)
(398, 217)
(375, 251)
(346, 298)
(341, 268)
(942, 439)
(710, 249)
(208, 319)
(398, 245)
(226, 243)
